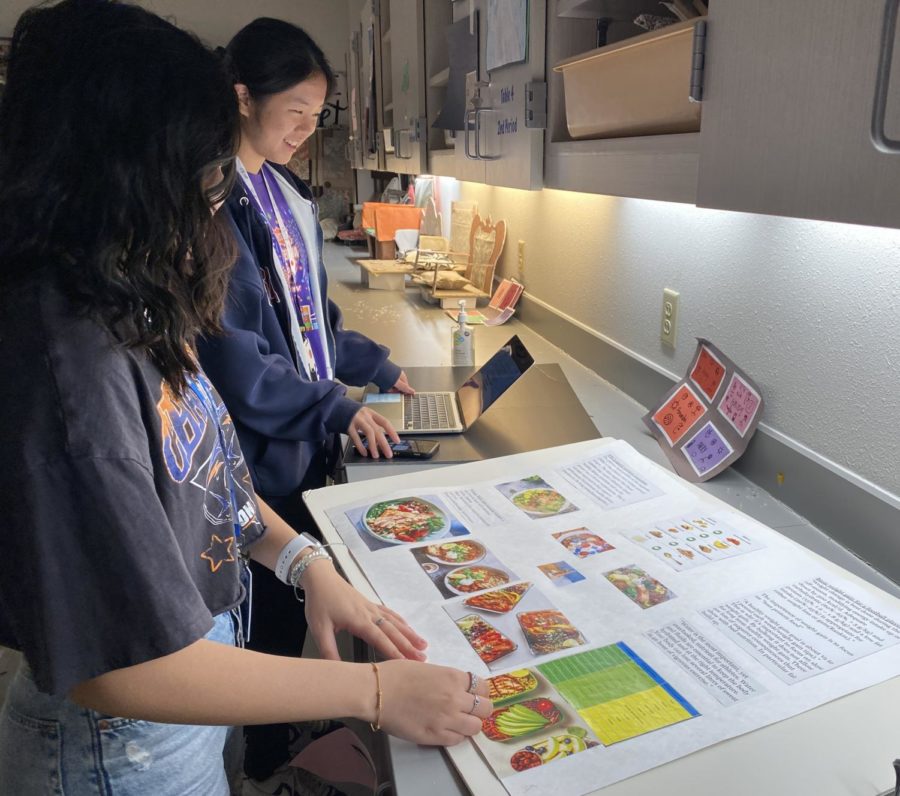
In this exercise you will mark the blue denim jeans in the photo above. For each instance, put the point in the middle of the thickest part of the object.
(50, 745)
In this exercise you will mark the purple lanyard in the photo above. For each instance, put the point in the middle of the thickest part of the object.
(290, 248)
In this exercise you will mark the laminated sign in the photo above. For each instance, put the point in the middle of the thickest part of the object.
(706, 420)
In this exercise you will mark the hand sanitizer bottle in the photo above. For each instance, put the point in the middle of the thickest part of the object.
(462, 341)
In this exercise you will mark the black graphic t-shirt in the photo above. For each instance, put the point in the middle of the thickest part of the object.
(118, 539)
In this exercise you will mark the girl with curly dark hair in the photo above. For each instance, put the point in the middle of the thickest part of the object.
(128, 509)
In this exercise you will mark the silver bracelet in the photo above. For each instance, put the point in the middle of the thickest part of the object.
(296, 573)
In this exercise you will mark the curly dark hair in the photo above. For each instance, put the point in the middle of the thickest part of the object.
(117, 138)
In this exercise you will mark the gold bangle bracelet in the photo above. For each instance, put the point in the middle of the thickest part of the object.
(376, 725)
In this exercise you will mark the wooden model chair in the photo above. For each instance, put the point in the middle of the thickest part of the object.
(486, 240)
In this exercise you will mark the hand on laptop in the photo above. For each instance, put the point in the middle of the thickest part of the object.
(376, 429)
(402, 385)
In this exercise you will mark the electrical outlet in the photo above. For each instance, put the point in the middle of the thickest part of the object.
(668, 331)
(521, 273)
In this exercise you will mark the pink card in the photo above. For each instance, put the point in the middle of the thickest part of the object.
(739, 405)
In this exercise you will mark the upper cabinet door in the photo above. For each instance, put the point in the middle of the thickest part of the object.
(407, 51)
(355, 138)
(370, 93)
(516, 148)
(789, 97)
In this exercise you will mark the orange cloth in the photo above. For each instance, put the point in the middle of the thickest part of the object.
(368, 214)
(388, 218)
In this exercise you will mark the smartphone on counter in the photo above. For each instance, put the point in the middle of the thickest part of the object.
(413, 448)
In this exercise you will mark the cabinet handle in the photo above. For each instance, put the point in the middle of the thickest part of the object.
(478, 155)
(880, 139)
(469, 124)
(398, 137)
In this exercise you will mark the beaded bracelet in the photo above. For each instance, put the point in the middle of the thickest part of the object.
(300, 566)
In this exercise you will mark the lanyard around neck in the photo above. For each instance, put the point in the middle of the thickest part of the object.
(279, 219)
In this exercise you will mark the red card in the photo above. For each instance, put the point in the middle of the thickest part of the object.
(708, 373)
(679, 413)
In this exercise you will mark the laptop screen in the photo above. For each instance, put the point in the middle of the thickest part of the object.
(494, 378)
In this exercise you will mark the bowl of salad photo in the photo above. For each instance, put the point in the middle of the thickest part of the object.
(405, 520)
(540, 501)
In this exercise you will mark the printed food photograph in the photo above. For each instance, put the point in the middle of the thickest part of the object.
(521, 719)
(539, 501)
(488, 642)
(568, 743)
(638, 586)
(561, 573)
(531, 725)
(524, 615)
(536, 498)
(582, 543)
(465, 580)
(407, 520)
(440, 562)
(499, 601)
(464, 551)
(510, 686)
(549, 631)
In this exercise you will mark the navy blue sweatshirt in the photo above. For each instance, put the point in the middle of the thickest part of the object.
(282, 418)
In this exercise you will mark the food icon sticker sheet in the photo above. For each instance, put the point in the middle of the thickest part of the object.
(687, 542)
(404, 521)
(706, 420)
(513, 625)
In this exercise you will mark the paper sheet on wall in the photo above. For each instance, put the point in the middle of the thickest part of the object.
(507, 33)
(706, 420)
(623, 620)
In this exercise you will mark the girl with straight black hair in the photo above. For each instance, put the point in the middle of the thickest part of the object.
(283, 361)
(128, 512)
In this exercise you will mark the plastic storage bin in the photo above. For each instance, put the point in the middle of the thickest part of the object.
(639, 86)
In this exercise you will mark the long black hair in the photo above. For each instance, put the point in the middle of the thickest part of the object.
(270, 56)
(117, 134)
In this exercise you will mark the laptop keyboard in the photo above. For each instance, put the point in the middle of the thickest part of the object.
(427, 410)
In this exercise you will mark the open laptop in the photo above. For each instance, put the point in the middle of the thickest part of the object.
(454, 412)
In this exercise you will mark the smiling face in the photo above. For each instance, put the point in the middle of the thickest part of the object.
(274, 127)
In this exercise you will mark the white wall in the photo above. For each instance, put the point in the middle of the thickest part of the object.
(216, 21)
(811, 310)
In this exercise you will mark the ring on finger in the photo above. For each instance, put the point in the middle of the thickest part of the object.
(476, 701)
(473, 682)
(379, 621)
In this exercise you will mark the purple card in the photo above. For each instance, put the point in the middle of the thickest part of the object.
(739, 405)
(706, 449)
